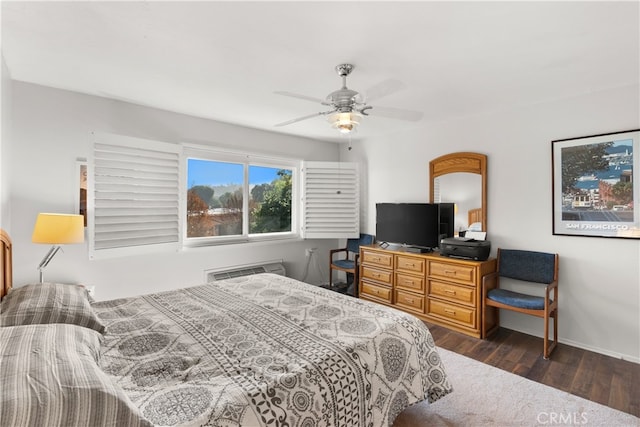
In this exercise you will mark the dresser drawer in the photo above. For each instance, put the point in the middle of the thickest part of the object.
(377, 258)
(410, 264)
(409, 301)
(456, 313)
(450, 271)
(384, 276)
(410, 282)
(456, 293)
(375, 292)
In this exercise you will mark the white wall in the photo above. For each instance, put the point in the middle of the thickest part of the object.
(51, 130)
(599, 278)
(5, 152)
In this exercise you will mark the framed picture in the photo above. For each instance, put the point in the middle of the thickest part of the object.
(596, 191)
(81, 199)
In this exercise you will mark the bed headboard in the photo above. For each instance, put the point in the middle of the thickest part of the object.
(475, 215)
(6, 274)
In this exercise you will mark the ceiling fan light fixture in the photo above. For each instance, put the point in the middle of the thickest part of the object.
(348, 106)
(345, 122)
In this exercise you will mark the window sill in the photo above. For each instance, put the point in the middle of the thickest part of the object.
(205, 242)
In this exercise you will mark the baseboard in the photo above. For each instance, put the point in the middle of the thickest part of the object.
(627, 357)
(603, 351)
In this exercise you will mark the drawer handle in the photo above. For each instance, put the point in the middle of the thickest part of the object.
(448, 291)
(375, 274)
(375, 259)
(449, 311)
(450, 272)
(409, 281)
(410, 300)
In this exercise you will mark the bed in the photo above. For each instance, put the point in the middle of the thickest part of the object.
(261, 350)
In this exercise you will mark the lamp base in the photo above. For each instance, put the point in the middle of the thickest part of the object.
(47, 258)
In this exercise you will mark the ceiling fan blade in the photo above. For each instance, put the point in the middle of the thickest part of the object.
(384, 88)
(299, 119)
(395, 113)
(299, 96)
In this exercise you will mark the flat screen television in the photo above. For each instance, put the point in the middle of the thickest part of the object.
(416, 225)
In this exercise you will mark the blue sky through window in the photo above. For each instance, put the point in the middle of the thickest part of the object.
(208, 172)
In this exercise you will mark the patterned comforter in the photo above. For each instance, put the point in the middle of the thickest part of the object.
(266, 350)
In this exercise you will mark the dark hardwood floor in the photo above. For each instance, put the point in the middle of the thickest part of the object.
(593, 376)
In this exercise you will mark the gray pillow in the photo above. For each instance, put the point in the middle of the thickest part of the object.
(50, 376)
(49, 303)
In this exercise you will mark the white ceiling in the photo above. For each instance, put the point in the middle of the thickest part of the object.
(225, 60)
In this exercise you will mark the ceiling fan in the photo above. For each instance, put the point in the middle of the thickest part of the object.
(347, 107)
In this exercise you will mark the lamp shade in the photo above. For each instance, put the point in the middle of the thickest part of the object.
(58, 229)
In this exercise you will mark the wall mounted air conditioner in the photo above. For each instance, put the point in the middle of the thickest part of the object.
(274, 267)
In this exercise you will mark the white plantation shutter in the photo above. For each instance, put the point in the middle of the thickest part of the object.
(436, 190)
(330, 200)
(133, 195)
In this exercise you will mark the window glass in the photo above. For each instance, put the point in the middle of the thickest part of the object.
(230, 200)
(270, 199)
(214, 198)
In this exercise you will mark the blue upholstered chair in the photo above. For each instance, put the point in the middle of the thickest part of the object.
(349, 261)
(524, 266)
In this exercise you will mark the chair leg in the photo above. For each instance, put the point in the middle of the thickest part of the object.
(545, 353)
(356, 283)
(495, 313)
(549, 347)
(553, 345)
(483, 322)
(546, 337)
(555, 326)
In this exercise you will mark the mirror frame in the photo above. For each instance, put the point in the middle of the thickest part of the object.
(461, 162)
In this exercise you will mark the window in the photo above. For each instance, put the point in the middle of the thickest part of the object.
(271, 200)
(214, 198)
(145, 195)
(236, 197)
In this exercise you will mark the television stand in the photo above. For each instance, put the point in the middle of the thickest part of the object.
(440, 290)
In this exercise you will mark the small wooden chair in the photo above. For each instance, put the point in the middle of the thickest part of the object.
(349, 262)
(524, 266)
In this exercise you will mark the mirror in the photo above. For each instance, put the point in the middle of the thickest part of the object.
(461, 178)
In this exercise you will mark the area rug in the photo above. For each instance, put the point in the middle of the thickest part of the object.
(488, 396)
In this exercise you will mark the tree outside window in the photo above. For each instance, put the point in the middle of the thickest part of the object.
(216, 195)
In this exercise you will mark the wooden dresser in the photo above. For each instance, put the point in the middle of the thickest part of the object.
(438, 289)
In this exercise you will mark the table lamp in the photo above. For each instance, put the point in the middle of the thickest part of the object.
(57, 229)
